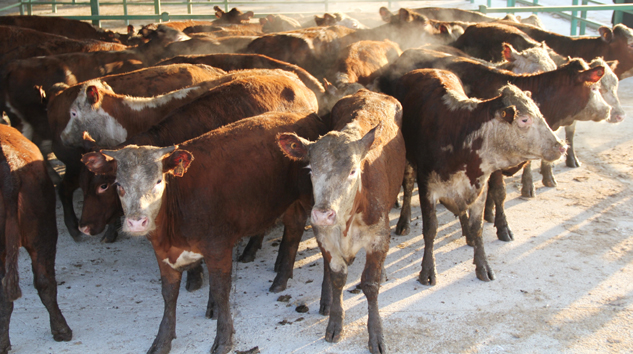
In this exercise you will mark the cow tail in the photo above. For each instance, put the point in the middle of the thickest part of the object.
(11, 280)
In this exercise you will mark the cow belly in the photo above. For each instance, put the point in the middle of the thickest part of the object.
(185, 259)
(457, 193)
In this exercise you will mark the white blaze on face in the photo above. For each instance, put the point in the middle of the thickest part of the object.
(532, 60)
(609, 84)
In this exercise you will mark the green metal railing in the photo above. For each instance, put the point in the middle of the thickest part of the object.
(559, 9)
(26, 7)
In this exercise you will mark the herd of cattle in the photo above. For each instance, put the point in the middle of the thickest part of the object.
(197, 134)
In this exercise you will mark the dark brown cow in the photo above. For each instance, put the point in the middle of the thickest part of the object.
(201, 214)
(456, 142)
(63, 27)
(27, 198)
(143, 83)
(612, 44)
(570, 83)
(356, 171)
(224, 104)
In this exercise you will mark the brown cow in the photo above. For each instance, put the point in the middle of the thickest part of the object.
(144, 83)
(234, 16)
(571, 83)
(63, 27)
(456, 142)
(356, 171)
(225, 174)
(28, 219)
(338, 19)
(224, 104)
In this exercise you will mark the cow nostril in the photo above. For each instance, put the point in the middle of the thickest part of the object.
(144, 222)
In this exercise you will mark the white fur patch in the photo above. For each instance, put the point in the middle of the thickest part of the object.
(456, 100)
(140, 103)
(185, 258)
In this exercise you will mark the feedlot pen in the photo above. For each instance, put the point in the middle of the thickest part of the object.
(564, 285)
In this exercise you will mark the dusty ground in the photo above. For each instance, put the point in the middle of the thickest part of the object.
(564, 284)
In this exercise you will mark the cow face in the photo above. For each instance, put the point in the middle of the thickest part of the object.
(532, 60)
(87, 114)
(140, 180)
(620, 41)
(408, 28)
(335, 161)
(609, 89)
(521, 132)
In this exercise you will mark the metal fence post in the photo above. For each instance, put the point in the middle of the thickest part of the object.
(583, 16)
(226, 5)
(127, 22)
(189, 7)
(574, 19)
(157, 8)
(54, 5)
(29, 8)
(94, 11)
(21, 7)
(617, 15)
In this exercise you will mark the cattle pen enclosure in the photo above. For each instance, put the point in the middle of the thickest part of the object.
(564, 285)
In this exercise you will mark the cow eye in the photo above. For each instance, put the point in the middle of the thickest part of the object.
(103, 188)
(353, 173)
(73, 114)
(159, 181)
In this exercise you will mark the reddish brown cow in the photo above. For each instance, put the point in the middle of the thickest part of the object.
(207, 45)
(233, 61)
(245, 29)
(356, 171)
(456, 142)
(224, 104)
(63, 27)
(201, 214)
(358, 62)
(143, 83)
(28, 219)
(234, 16)
(570, 83)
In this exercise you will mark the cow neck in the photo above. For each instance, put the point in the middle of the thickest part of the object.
(358, 204)
(167, 225)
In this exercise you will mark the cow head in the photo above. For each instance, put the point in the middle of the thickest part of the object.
(620, 42)
(141, 173)
(521, 132)
(407, 28)
(235, 16)
(87, 114)
(532, 60)
(608, 86)
(335, 161)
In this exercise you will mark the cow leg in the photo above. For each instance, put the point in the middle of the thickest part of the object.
(212, 307)
(43, 264)
(428, 274)
(572, 160)
(463, 222)
(6, 309)
(294, 220)
(370, 283)
(489, 211)
(482, 268)
(112, 232)
(67, 187)
(326, 289)
(548, 175)
(527, 183)
(497, 192)
(170, 280)
(337, 313)
(219, 265)
(254, 244)
(194, 278)
(404, 223)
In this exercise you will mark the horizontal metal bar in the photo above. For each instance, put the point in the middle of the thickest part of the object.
(10, 7)
(485, 9)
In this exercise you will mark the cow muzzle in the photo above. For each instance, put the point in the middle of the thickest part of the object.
(323, 217)
(137, 225)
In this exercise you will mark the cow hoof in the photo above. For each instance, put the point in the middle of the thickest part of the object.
(211, 313)
(505, 234)
(221, 348)
(572, 161)
(247, 257)
(75, 234)
(159, 349)
(377, 346)
(489, 215)
(63, 335)
(194, 280)
(403, 228)
(333, 332)
(528, 192)
(278, 286)
(324, 309)
(549, 182)
(427, 277)
(109, 236)
(485, 273)
(396, 205)
(5, 347)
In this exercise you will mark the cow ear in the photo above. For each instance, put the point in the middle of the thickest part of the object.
(263, 20)
(99, 163)
(293, 146)
(508, 52)
(606, 34)
(92, 94)
(218, 11)
(385, 14)
(248, 15)
(506, 114)
(405, 15)
(613, 64)
(177, 162)
(371, 139)
(329, 88)
(319, 20)
(592, 75)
